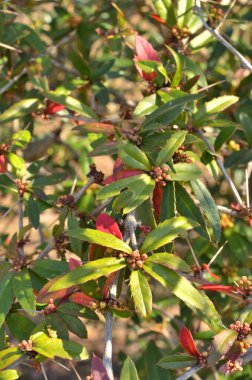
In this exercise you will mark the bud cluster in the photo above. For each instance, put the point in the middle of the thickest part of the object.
(180, 33)
(133, 135)
(202, 359)
(97, 175)
(3, 148)
(243, 329)
(244, 346)
(233, 366)
(105, 304)
(226, 221)
(145, 229)
(66, 200)
(50, 308)
(26, 345)
(135, 259)
(181, 156)
(22, 187)
(19, 262)
(215, 14)
(245, 283)
(151, 89)
(160, 174)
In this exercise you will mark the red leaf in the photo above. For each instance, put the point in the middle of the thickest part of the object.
(250, 221)
(226, 289)
(98, 370)
(187, 342)
(157, 200)
(159, 19)
(82, 299)
(3, 163)
(107, 224)
(53, 107)
(118, 166)
(73, 263)
(206, 267)
(145, 51)
(121, 175)
(107, 285)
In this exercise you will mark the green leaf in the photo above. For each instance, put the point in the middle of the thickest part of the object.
(184, 172)
(172, 144)
(90, 271)
(166, 232)
(163, 113)
(134, 157)
(9, 374)
(99, 237)
(146, 105)
(207, 203)
(147, 364)
(187, 207)
(55, 326)
(71, 103)
(185, 11)
(52, 179)
(221, 344)
(74, 324)
(32, 210)
(165, 9)
(51, 347)
(223, 136)
(20, 139)
(177, 76)
(23, 290)
(19, 110)
(129, 371)
(246, 125)
(141, 293)
(72, 222)
(6, 295)
(213, 106)
(115, 187)
(168, 205)
(48, 268)
(177, 361)
(170, 261)
(9, 356)
(20, 326)
(141, 191)
(183, 289)
(15, 161)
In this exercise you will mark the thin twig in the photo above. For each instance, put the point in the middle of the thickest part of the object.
(228, 211)
(43, 371)
(226, 14)
(83, 189)
(48, 248)
(221, 166)
(194, 256)
(217, 254)
(12, 81)
(189, 373)
(75, 371)
(131, 224)
(247, 188)
(245, 63)
(20, 220)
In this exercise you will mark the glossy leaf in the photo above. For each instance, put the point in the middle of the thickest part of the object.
(183, 289)
(22, 288)
(213, 106)
(134, 157)
(87, 272)
(75, 325)
(221, 344)
(177, 361)
(170, 261)
(187, 342)
(51, 347)
(15, 161)
(129, 371)
(20, 326)
(207, 203)
(223, 136)
(9, 374)
(184, 172)
(107, 224)
(71, 103)
(177, 75)
(33, 212)
(165, 9)
(166, 232)
(6, 295)
(168, 205)
(161, 115)
(172, 144)
(115, 187)
(19, 110)
(99, 237)
(141, 293)
(9, 356)
(187, 207)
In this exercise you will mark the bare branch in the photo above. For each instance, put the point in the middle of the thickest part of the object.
(131, 224)
(189, 373)
(83, 189)
(245, 63)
